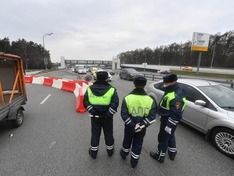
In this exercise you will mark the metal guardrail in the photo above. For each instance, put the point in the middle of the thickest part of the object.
(154, 77)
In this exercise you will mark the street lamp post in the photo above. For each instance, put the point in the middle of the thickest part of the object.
(45, 59)
(213, 55)
(217, 37)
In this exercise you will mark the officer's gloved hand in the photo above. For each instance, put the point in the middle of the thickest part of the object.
(170, 125)
(168, 129)
(144, 123)
(139, 127)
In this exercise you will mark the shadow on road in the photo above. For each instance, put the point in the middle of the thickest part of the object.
(5, 126)
(192, 130)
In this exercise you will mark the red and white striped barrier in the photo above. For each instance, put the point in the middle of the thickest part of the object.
(48, 81)
(78, 87)
(38, 80)
(57, 83)
(28, 79)
(68, 86)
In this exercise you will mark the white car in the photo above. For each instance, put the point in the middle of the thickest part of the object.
(210, 109)
(82, 70)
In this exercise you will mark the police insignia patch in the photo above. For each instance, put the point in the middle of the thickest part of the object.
(177, 105)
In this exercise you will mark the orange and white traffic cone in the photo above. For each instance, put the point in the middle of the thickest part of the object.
(79, 102)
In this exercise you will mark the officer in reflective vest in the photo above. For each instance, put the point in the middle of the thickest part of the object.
(171, 108)
(101, 100)
(138, 111)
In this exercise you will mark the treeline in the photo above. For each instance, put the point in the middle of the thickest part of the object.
(221, 49)
(33, 54)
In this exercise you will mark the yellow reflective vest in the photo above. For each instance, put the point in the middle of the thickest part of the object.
(101, 100)
(166, 100)
(139, 105)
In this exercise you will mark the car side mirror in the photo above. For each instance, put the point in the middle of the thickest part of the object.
(200, 103)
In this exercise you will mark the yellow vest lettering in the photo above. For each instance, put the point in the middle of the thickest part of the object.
(138, 105)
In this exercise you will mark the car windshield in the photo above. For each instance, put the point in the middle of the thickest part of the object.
(221, 95)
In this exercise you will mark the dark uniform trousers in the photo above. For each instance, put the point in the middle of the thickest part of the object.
(166, 140)
(97, 125)
(134, 139)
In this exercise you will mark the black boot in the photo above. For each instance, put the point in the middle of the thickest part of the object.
(157, 157)
(172, 155)
(122, 154)
(110, 152)
(93, 154)
(134, 163)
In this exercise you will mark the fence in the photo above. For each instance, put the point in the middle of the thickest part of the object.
(154, 77)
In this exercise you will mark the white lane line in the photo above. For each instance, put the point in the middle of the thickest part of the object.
(52, 144)
(46, 98)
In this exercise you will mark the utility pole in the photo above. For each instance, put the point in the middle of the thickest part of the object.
(199, 62)
(43, 39)
(213, 55)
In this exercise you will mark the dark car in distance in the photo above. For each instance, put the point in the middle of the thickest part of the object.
(129, 73)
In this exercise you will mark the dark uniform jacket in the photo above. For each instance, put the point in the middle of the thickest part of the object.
(99, 88)
(132, 121)
(174, 114)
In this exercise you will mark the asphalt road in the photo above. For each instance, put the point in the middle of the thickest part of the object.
(54, 141)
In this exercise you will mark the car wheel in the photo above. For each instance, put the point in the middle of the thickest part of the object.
(19, 119)
(223, 140)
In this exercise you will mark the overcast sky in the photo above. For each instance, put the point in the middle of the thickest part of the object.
(101, 29)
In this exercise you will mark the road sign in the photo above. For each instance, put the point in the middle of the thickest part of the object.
(200, 41)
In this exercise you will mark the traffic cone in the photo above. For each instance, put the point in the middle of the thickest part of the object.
(79, 102)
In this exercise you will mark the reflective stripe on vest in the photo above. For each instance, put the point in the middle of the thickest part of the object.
(101, 100)
(184, 101)
(138, 105)
(168, 98)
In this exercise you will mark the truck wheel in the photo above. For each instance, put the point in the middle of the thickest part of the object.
(223, 140)
(19, 119)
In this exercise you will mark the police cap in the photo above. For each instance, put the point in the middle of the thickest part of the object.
(102, 75)
(170, 78)
(139, 81)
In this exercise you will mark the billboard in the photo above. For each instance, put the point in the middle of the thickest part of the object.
(200, 41)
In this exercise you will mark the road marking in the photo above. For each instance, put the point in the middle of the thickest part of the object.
(52, 144)
(46, 98)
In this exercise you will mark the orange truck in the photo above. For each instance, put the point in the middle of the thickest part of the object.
(12, 89)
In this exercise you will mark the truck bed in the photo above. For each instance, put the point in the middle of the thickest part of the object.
(6, 109)
(12, 87)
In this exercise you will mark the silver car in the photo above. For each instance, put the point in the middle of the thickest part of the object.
(210, 109)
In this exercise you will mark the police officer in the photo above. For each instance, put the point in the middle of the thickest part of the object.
(101, 100)
(171, 108)
(138, 111)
